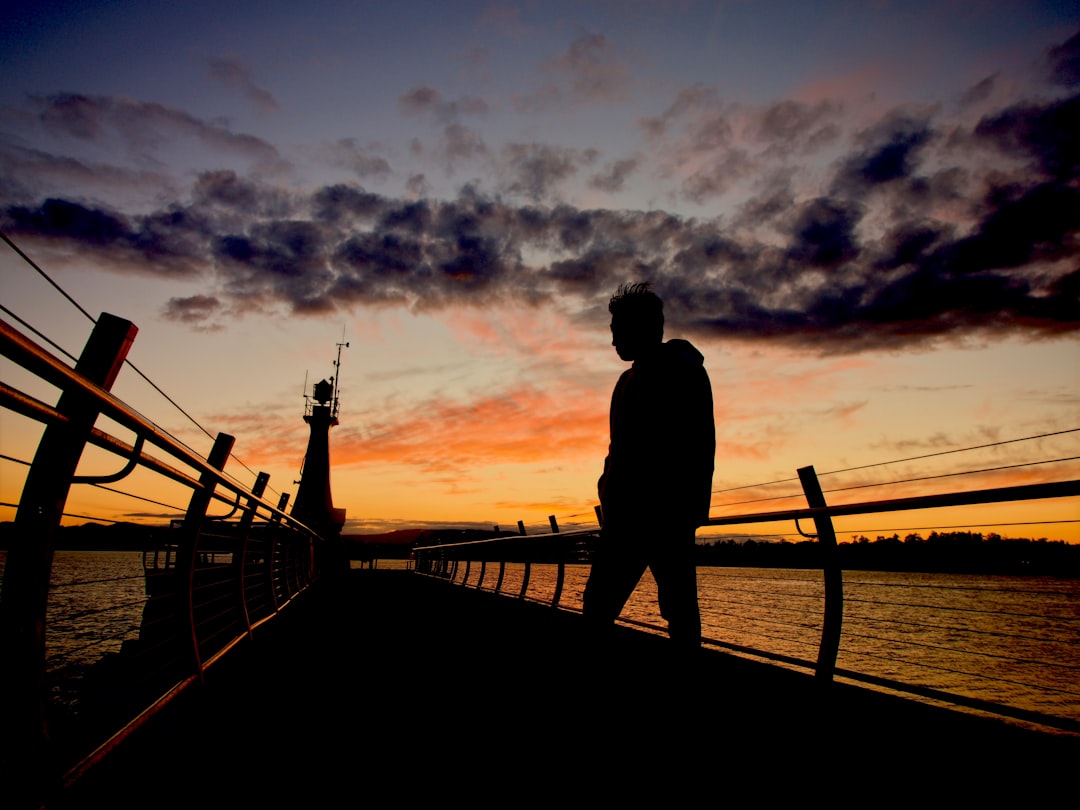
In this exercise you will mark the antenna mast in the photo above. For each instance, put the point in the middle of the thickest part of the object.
(337, 372)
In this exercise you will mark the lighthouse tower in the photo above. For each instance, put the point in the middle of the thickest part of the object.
(314, 503)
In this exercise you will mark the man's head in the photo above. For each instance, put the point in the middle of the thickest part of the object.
(637, 320)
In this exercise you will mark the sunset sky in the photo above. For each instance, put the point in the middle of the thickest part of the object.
(866, 215)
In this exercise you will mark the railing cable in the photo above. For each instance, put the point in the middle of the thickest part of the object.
(46, 276)
(175, 508)
(903, 460)
(127, 362)
(954, 474)
(39, 334)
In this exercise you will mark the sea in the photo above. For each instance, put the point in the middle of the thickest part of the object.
(1014, 641)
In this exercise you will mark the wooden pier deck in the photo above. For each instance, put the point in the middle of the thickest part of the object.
(408, 688)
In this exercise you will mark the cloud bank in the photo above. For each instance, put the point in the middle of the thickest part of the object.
(923, 224)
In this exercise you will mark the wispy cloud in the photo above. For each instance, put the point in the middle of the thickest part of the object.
(143, 125)
(234, 74)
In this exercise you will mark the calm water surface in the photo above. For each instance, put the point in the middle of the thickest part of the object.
(1011, 640)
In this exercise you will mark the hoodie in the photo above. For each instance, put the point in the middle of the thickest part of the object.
(659, 465)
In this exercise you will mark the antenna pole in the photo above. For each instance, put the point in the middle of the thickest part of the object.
(337, 371)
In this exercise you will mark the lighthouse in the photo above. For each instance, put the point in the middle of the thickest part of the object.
(314, 503)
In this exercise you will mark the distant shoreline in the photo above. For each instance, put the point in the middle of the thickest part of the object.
(944, 553)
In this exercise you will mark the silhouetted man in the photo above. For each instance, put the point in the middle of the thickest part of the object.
(657, 480)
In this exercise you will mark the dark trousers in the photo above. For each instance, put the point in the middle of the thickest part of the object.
(622, 557)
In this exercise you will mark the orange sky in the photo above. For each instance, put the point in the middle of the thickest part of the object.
(864, 217)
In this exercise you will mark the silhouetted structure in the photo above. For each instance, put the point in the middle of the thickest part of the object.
(314, 504)
(657, 482)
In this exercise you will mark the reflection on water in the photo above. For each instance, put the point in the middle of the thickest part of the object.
(96, 601)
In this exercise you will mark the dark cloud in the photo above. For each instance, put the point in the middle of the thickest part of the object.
(590, 70)
(169, 240)
(420, 100)
(341, 202)
(1063, 63)
(614, 175)
(417, 185)
(820, 286)
(362, 161)
(1044, 132)
(919, 231)
(717, 176)
(425, 100)
(195, 310)
(715, 145)
(235, 75)
(538, 169)
(699, 110)
(143, 125)
(979, 92)
(227, 188)
(460, 144)
(891, 151)
(796, 126)
(594, 69)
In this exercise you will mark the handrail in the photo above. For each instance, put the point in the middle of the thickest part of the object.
(32, 357)
(197, 610)
(440, 560)
(1022, 492)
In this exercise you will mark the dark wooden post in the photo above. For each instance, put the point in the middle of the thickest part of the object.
(29, 561)
(240, 556)
(554, 524)
(189, 545)
(270, 562)
(833, 621)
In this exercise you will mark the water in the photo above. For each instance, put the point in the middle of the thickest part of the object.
(1011, 640)
(96, 601)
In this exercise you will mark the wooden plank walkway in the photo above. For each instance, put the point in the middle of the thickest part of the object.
(401, 688)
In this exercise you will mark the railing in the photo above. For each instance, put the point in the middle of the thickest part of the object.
(1004, 646)
(205, 585)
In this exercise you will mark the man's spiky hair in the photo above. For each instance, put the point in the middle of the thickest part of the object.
(639, 302)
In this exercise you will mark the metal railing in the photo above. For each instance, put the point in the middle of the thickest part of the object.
(801, 623)
(209, 582)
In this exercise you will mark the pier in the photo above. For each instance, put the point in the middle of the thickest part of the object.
(264, 673)
(407, 685)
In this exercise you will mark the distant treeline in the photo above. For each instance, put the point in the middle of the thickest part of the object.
(939, 552)
(98, 536)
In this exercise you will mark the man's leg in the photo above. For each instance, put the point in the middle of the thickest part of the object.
(675, 573)
(618, 564)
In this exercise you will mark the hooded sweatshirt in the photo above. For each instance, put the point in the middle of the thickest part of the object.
(659, 465)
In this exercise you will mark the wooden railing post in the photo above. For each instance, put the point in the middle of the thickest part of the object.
(240, 556)
(189, 547)
(29, 561)
(833, 621)
(270, 563)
